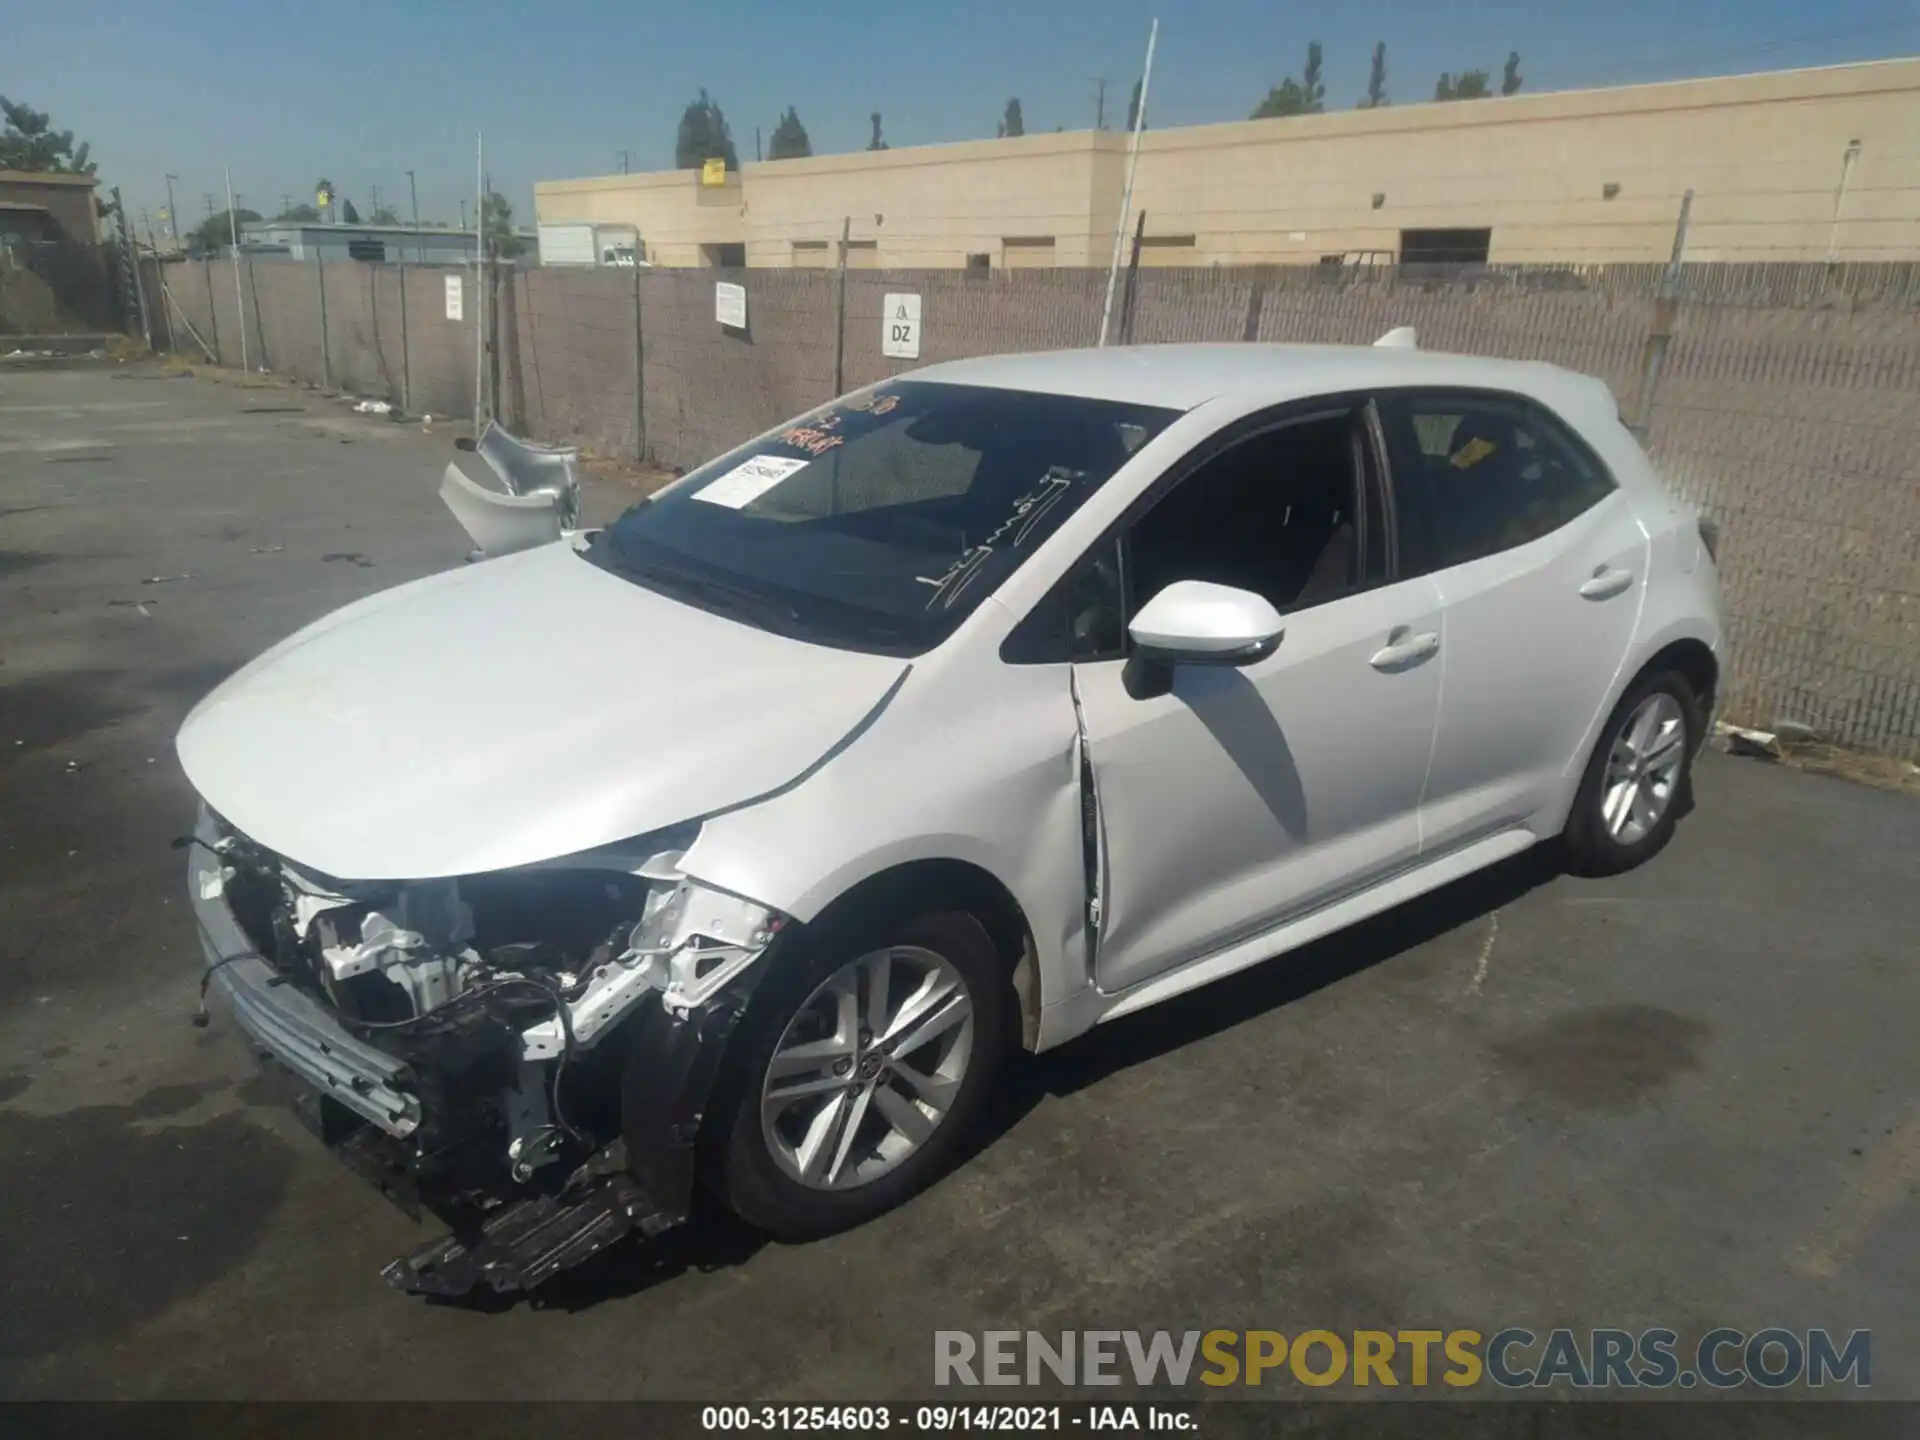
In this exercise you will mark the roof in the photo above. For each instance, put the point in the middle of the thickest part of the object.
(1183, 376)
(12, 205)
(45, 177)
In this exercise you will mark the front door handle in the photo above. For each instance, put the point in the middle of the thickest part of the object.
(1606, 583)
(1405, 648)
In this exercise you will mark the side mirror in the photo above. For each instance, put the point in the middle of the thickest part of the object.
(1195, 622)
(1199, 623)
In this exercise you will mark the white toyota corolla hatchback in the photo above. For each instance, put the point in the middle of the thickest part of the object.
(737, 845)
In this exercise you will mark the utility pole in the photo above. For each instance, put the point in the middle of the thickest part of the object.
(373, 195)
(756, 144)
(625, 156)
(1100, 103)
(286, 202)
(413, 194)
(173, 215)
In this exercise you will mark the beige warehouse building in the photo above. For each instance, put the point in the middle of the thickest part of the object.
(1797, 165)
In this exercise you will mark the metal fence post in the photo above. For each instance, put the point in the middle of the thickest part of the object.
(1666, 314)
(326, 353)
(840, 315)
(259, 316)
(1133, 278)
(406, 355)
(1256, 302)
(213, 310)
(639, 375)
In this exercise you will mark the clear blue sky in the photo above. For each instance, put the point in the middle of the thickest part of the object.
(363, 90)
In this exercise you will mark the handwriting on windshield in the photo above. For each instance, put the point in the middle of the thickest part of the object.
(816, 440)
(1027, 513)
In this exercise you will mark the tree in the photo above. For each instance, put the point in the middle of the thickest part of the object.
(300, 215)
(1305, 96)
(328, 207)
(1012, 123)
(497, 226)
(218, 229)
(789, 140)
(876, 143)
(351, 215)
(1377, 78)
(1511, 79)
(29, 142)
(384, 215)
(703, 136)
(1133, 108)
(1467, 85)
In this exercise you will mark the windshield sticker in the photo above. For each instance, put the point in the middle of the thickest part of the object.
(874, 404)
(747, 482)
(1027, 513)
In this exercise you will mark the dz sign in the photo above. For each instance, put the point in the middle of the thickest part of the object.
(900, 327)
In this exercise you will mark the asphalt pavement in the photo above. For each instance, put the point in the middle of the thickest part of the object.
(1689, 1096)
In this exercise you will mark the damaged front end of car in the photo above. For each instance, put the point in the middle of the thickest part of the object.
(525, 1054)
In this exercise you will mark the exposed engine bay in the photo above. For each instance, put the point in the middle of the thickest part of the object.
(519, 1102)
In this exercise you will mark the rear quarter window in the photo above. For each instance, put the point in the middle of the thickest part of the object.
(1476, 473)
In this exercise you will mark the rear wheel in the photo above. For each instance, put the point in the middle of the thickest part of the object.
(1637, 779)
(861, 1069)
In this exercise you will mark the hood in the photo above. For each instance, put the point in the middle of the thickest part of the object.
(513, 711)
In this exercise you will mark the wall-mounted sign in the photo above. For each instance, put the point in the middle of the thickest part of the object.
(714, 171)
(456, 297)
(900, 327)
(730, 305)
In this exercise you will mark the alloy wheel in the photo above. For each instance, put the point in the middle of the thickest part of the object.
(868, 1068)
(1643, 768)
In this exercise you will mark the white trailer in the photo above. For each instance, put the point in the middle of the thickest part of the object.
(588, 244)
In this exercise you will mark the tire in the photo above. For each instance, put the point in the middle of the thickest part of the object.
(1606, 834)
(758, 1159)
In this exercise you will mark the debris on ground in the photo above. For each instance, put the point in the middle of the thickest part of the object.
(165, 579)
(266, 549)
(373, 407)
(1800, 746)
(352, 557)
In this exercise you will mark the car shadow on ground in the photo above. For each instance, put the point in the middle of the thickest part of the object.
(1149, 1034)
(715, 1240)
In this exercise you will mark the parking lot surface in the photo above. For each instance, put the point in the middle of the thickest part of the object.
(1689, 1096)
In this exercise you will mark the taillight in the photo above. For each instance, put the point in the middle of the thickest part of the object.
(1710, 537)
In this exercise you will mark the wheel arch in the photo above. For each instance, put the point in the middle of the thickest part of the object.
(918, 885)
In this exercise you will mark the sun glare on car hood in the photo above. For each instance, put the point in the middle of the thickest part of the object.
(509, 712)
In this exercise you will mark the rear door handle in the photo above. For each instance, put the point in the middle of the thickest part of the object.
(1606, 583)
(1404, 648)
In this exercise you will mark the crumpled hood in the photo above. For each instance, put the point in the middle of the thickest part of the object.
(513, 711)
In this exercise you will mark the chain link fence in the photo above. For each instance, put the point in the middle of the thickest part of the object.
(1785, 406)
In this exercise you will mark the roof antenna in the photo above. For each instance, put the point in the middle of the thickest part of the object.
(1403, 338)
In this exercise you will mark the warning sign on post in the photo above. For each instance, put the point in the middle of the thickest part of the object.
(900, 327)
(456, 297)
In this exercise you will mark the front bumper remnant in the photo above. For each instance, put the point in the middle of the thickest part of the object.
(293, 1028)
(528, 1242)
(400, 1121)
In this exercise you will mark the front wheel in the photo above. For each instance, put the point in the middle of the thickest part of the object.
(1631, 797)
(862, 1067)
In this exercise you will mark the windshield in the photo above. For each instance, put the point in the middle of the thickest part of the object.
(878, 522)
